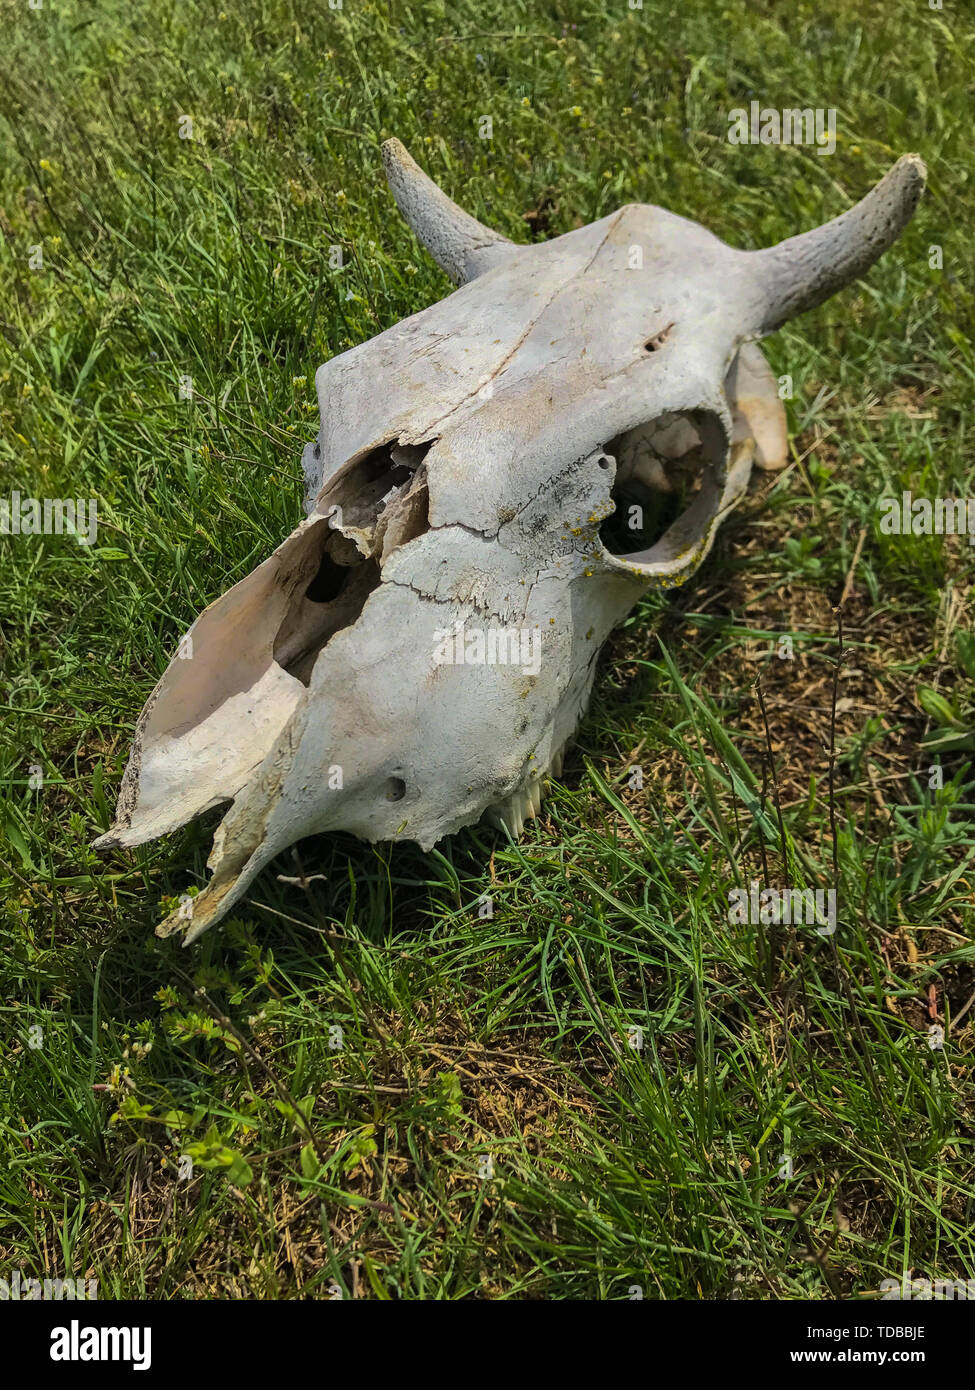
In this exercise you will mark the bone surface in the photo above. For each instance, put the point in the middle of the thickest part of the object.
(420, 650)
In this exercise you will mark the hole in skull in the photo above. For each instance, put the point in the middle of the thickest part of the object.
(328, 582)
(367, 485)
(395, 789)
(658, 339)
(659, 466)
(329, 590)
(366, 509)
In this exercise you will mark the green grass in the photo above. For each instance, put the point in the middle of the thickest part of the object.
(357, 1168)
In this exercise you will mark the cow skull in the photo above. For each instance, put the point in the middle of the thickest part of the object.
(458, 497)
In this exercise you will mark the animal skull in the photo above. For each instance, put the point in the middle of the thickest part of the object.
(456, 496)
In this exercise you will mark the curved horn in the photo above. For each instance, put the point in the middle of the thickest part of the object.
(800, 273)
(460, 245)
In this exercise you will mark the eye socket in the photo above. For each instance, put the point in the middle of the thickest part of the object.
(395, 789)
(667, 491)
(658, 471)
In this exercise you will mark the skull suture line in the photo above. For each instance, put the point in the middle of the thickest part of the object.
(459, 490)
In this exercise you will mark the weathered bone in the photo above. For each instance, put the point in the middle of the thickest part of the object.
(800, 273)
(460, 245)
(461, 483)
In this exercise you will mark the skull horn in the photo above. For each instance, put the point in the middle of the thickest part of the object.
(800, 273)
(460, 245)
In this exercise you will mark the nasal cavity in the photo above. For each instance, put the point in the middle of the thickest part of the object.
(328, 582)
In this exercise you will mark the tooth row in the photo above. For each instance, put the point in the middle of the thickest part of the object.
(526, 803)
